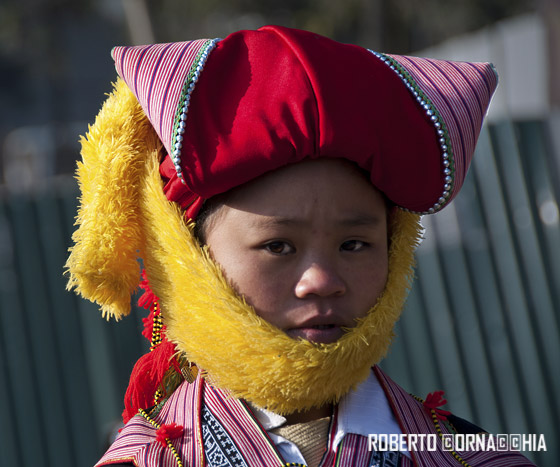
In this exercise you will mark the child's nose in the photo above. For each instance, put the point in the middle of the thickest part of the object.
(320, 280)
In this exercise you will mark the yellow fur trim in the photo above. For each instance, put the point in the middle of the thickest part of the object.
(237, 349)
(125, 214)
(103, 263)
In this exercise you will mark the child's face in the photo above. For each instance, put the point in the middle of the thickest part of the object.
(306, 245)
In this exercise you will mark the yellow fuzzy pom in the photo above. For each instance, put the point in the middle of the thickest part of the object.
(103, 264)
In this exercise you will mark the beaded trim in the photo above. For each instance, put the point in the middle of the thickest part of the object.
(167, 440)
(438, 122)
(435, 421)
(184, 101)
(157, 326)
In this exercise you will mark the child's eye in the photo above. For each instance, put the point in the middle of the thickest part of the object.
(279, 248)
(353, 245)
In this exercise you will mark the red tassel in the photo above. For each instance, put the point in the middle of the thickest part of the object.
(149, 370)
(146, 376)
(433, 401)
(148, 326)
(166, 432)
(148, 301)
(148, 298)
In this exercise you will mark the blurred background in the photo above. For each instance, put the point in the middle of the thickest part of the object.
(482, 321)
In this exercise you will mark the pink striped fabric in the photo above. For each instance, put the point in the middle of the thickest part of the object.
(414, 418)
(461, 93)
(137, 444)
(157, 74)
(183, 408)
(353, 452)
(137, 441)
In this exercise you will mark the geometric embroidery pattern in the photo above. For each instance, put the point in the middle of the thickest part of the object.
(219, 448)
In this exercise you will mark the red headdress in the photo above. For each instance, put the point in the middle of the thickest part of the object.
(275, 96)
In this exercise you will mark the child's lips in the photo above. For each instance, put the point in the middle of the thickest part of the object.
(321, 334)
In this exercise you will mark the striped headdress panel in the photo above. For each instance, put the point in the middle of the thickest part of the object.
(160, 76)
(461, 93)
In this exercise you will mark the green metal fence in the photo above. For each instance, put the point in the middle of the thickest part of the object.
(63, 370)
(482, 321)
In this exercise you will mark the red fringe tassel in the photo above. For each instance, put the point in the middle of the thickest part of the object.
(166, 432)
(433, 401)
(149, 370)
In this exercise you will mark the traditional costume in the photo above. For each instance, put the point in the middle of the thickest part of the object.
(191, 120)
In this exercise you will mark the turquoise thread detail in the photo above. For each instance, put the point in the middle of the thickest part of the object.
(179, 122)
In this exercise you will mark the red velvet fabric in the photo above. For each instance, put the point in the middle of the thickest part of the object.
(275, 96)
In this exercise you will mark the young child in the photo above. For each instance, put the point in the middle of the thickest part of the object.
(272, 184)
